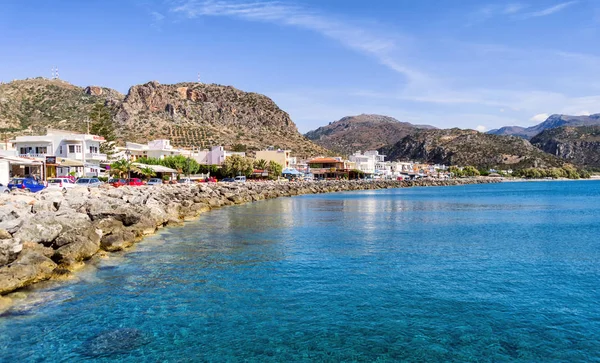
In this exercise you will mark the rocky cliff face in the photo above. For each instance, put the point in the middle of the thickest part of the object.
(190, 114)
(202, 115)
(362, 132)
(577, 145)
(551, 122)
(469, 147)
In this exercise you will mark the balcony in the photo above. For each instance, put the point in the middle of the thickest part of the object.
(31, 155)
(95, 156)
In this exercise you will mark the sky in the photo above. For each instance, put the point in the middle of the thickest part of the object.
(454, 63)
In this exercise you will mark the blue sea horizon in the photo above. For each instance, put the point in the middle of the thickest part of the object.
(500, 272)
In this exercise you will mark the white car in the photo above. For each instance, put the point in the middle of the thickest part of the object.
(60, 183)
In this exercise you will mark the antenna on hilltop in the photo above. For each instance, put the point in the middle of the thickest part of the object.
(52, 73)
(199, 78)
(57, 76)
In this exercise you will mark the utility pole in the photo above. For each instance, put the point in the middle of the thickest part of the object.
(87, 120)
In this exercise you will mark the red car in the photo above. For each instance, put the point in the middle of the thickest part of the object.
(117, 182)
(135, 182)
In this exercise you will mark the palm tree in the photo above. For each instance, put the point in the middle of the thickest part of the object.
(147, 172)
(260, 164)
(121, 168)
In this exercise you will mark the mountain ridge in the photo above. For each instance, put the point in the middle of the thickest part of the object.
(361, 132)
(553, 121)
(469, 147)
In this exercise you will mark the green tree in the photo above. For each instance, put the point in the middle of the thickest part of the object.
(274, 169)
(261, 164)
(102, 125)
(470, 171)
(147, 172)
(121, 168)
(238, 165)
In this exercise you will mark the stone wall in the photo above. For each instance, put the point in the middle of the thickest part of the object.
(48, 234)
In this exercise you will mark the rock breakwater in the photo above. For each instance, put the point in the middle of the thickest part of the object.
(50, 233)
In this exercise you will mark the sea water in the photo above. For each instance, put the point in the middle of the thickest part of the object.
(504, 272)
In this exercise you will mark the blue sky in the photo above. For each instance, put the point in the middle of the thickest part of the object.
(455, 63)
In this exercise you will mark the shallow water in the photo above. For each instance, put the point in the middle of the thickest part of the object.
(472, 273)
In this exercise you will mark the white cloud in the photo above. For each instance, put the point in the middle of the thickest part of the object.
(540, 117)
(551, 10)
(513, 8)
(584, 113)
(379, 46)
(157, 16)
(481, 128)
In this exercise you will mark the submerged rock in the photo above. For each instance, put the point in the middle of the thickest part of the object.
(114, 342)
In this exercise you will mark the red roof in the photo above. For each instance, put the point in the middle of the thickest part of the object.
(324, 161)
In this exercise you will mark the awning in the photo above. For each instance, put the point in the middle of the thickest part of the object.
(291, 171)
(156, 168)
(68, 163)
(21, 161)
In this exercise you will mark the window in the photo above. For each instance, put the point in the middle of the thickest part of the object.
(71, 148)
(78, 148)
(23, 151)
(41, 149)
(60, 149)
(94, 149)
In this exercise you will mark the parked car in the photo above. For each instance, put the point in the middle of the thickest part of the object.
(240, 179)
(228, 180)
(60, 183)
(4, 189)
(88, 182)
(155, 181)
(70, 177)
(29, 184)
(185, 181)
(117, 182)
(135, 182)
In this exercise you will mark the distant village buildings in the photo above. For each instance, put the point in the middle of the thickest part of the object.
(66, 153)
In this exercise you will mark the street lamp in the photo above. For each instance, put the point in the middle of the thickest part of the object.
(128, 154)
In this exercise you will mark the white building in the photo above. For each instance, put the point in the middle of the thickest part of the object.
(370, 162)
(158, 149)
(63, 152)
(215, 156)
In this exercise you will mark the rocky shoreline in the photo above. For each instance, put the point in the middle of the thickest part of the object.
(50, 234)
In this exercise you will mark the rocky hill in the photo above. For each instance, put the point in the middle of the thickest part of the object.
(551, 122)
(32, 105)
(362, 132)
(469, 147)
(577, 145)
(190, 114)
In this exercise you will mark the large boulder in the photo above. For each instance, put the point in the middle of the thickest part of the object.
(41, 228)
(118, 240)
(29, 267)
(9, 249)
(77, 245)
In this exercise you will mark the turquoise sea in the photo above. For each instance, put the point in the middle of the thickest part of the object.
(480, 273)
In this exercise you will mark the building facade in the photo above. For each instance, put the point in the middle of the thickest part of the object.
(215, 156)
(63, 152)
(281, 157)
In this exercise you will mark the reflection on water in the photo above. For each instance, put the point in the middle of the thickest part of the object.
(475, 273)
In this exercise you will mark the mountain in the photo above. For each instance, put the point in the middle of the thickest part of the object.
(362, 132)
(577, 145)
(189, 114)
(551, 122)
(469, 147)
